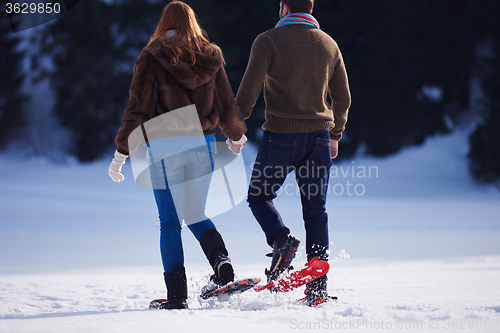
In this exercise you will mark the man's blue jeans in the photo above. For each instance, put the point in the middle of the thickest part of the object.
(308, 155)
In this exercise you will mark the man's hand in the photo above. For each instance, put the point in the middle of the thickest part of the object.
(334, 148)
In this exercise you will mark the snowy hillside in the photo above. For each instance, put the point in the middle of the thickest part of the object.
(414, 248)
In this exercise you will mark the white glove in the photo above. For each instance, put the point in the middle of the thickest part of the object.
(115, 167)
(235, 146)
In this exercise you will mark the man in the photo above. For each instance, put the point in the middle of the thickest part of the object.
(299, 65)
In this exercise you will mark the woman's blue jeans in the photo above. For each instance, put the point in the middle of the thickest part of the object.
(180, 183)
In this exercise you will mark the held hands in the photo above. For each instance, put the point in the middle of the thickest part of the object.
(236, 146)
(115, 167)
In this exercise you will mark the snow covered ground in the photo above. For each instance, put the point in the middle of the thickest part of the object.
(415, 247)
(416, 296)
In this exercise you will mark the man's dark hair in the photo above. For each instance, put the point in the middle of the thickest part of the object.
(299, 6)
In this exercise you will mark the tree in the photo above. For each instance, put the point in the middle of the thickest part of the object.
(12, 99)
(484, 153)
(88, 78)
(409, 62)
(395, 53)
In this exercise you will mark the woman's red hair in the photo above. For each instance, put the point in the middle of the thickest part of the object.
(189, 37)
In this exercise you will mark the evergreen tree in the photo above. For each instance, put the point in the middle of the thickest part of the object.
(484, 154)
(12, 100)
(89, 80)
(392, 50)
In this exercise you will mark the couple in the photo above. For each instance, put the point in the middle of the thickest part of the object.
(299, 66)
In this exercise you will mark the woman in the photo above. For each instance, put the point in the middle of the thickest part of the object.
(180, 68)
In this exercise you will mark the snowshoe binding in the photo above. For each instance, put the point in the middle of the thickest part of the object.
(284, 249)
(236, 287)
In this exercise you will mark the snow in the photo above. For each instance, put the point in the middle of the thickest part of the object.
(414, 248)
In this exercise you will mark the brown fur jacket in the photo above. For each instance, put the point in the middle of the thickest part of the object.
(159, 87)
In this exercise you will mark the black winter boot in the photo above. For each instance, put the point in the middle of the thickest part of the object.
(223, 269)
(284, 248)
(176, 283)
(215, 250)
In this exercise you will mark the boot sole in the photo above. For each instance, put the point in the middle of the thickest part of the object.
(162, 303)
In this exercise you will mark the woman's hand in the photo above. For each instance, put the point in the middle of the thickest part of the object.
(236, 146)
(115, 167)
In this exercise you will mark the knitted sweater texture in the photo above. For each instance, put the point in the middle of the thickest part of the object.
(299, 67)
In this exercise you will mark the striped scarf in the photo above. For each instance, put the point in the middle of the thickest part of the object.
(298, 18)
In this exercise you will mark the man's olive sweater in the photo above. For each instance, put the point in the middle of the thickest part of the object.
(299, 65)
